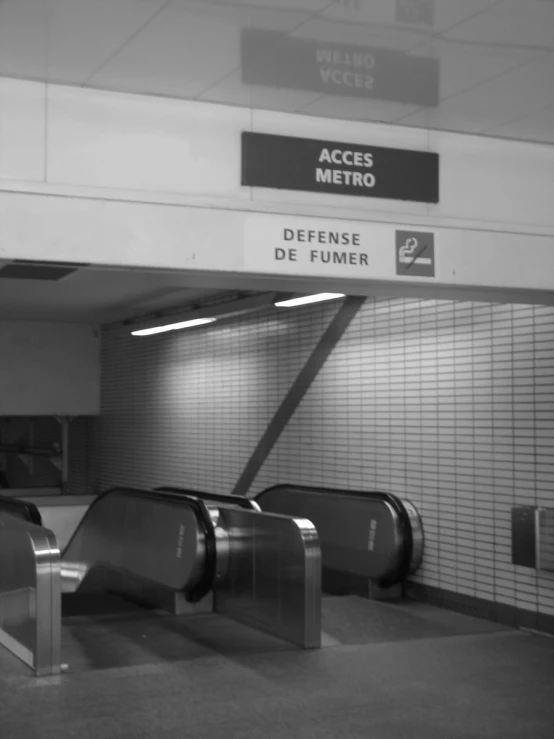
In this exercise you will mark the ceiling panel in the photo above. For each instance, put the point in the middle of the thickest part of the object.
(495, 102)
(83, 34)
(433, 15)
(494, 56)
(537, 126)
(449, 13)
(463, 67)
(517, 26)
(187, 49)
(539, 10)
(231, 90)
(358, 34)
(299, 6)
(23, 40)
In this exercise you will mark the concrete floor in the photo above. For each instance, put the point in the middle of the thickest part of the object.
(207, 677)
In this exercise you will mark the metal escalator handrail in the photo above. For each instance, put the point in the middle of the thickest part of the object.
(239, 500)
(139, 493)
(395, 502)
(21, 509)
(205, 583)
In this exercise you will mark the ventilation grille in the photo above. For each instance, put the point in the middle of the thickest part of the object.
(51, 272)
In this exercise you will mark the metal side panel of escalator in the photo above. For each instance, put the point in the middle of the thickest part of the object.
(371, 535)
(268, 571)
(262, 569)
(30, 603)
(271, 579)
(131, 542)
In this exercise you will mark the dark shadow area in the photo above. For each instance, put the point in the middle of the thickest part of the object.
(112, 632)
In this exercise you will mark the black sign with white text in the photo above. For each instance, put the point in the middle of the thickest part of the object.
(274, 59)
(311, 165)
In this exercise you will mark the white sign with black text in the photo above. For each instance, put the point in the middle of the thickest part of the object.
(296, 245)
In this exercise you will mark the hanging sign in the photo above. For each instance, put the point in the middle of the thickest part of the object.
(312, 165)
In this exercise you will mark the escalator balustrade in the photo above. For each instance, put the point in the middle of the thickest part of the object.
(372, 535)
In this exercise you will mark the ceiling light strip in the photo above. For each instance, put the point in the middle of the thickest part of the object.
(218, 311)
(172, 327)
(307, 299)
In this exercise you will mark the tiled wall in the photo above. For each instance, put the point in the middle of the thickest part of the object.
(189, 408)
(450, 404)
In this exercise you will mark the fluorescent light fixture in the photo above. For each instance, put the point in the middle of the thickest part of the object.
(307, 299)
(172, 327)
(194, 316)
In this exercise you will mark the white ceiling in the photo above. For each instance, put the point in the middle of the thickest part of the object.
(496, 57)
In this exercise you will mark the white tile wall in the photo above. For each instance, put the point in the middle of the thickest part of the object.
(450, 404)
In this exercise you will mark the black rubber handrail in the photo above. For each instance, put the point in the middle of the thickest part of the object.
(216, 497)
(395, 502)
(206, 582)
(21, 509)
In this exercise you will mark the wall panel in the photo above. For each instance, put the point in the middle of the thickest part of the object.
(49, 369)
(95, 143)
(22, 131)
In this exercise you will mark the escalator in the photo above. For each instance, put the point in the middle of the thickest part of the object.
(261, 562)
(369, 535)
(370, 543)
(218, 555)
(130, 538)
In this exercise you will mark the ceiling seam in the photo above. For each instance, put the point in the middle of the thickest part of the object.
(432, 37)
(440, 36)
(306, 19)
(504, 73)
(129, 40)
(522, 117)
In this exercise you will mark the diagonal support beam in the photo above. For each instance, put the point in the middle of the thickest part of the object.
(300, 387)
